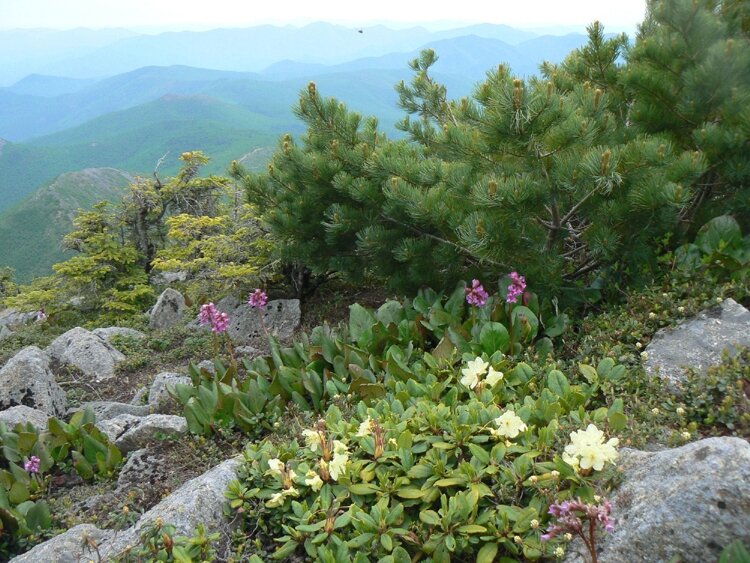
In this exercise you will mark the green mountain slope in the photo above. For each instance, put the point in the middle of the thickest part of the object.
(135, 140)
(31, 232)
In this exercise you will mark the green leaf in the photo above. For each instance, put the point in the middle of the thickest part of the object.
(363, 489)
(429, 517)
(410, 493)
(471, 529)
(525, 321)
(558, 383)
(719, 232)
(589, 373)
(38, 517)
(18, 493)
(618, 421)
(360, 322)
(494, 336)
(487, 553)
(480, 453)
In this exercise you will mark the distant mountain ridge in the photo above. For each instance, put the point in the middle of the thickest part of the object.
(31, 232)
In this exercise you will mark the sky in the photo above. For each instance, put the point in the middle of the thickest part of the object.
(160, 15)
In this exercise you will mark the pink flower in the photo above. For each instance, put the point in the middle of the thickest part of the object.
(570, 516)
(476, 295)
(32, 465)
(41, 316)
(516, 287)
(258, 299)
(210, 315)
(220, 322)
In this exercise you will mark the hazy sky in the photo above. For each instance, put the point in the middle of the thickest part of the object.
(202, 14)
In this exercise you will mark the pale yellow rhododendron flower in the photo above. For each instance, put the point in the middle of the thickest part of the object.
(587, 449)
(278, 498)
(337, 465)
(313, 481)
(313, 439)
(340, 448)
(509, 425)
(365, 428)
(473, 372)
(493, 377)
(276, 466)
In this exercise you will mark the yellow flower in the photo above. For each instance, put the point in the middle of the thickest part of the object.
(473, 371)
(493, 377)
(587, 449)
(313, 439)
(365, 428)
(276, 500)
(276, 466)
(337, 466)
(509, 425)
(340, 448)
(313, 481)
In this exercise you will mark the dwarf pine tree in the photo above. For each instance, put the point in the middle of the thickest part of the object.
(689, 79)
(535, 175)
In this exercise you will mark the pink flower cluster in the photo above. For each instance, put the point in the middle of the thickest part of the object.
(258, 299)
(570, 515)
(210, 315)
(32, 465)
(516, 288)
(476, 295)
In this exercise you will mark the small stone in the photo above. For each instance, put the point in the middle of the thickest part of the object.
(159, 397)
(130, 432)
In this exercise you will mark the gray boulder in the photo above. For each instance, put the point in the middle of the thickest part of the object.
(12, 317)
(130, 432)
(82, 349)
(73, 546)
(281, 318)
(5, 332)
(26, 379)
(698, 343)
(169, 310)
(159, 398)
(143, 468)
(106, 410)
(683, 504)
(110, 331)
(24, 414)
(199, 501)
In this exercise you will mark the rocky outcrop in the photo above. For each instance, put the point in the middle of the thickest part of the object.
(26, 379)
(82, 349)
(12, 317)
(110, 331)
(281, 318)
(199, 501)
(130, 432)
(73, 546)
(169, 310)
(23, 414)
(698, 343)
(679, 504)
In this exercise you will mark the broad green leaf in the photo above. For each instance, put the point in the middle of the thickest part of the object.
(494, 336)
